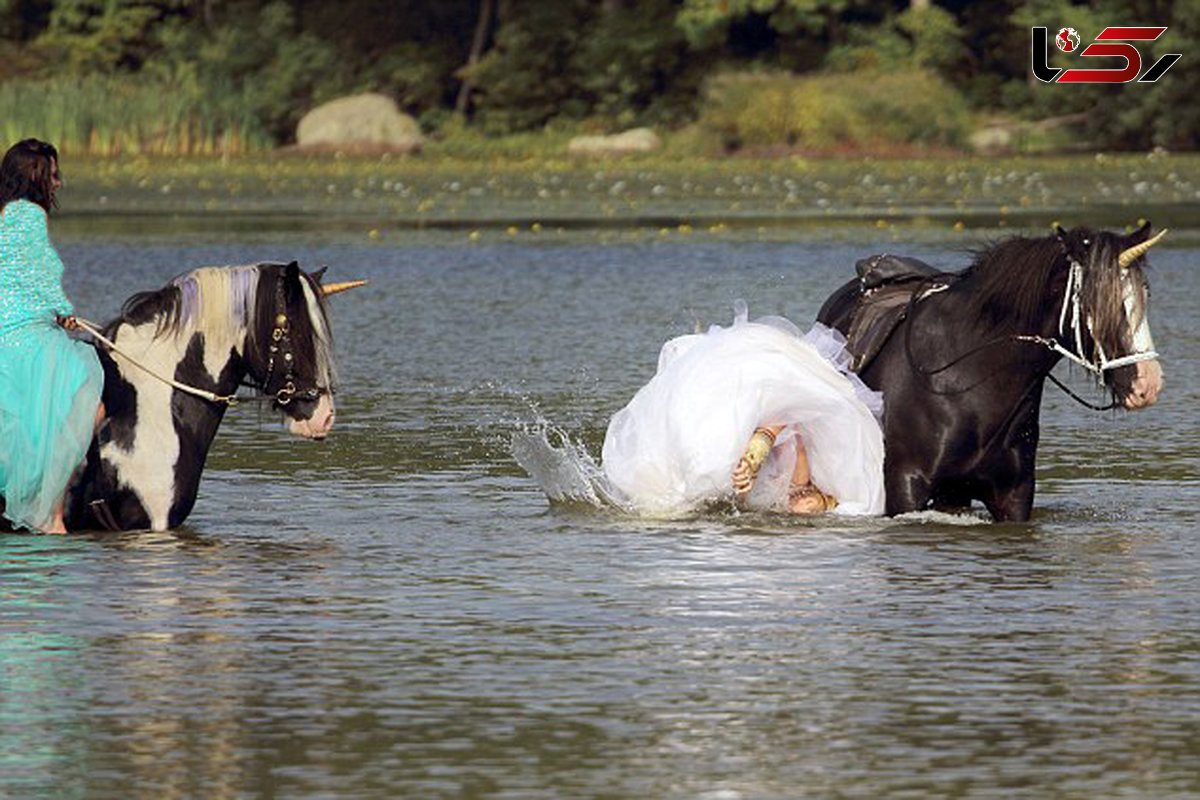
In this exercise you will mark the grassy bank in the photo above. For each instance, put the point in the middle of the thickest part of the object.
(449, 191)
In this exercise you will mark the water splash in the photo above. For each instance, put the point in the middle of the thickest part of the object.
(965, 519)
(562, 467)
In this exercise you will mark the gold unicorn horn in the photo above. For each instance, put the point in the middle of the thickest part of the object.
(1138, 250)
(334, 288)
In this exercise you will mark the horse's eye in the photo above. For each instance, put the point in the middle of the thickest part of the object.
(1087, 242)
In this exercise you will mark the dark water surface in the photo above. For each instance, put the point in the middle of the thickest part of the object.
(398, 612)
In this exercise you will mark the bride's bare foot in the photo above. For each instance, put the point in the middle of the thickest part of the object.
(753, 457)
(806, 498)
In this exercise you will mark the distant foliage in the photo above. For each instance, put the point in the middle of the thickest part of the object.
(860, 110)
(571, 60)
(245, 71)
(708, 21)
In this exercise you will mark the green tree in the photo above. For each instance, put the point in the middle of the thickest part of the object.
(105, 36)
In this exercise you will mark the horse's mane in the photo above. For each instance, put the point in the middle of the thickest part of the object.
(1009, 282)
(311, 327)
(224, 303)
(207, 299)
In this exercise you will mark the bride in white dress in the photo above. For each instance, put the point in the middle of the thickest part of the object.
(753, 412)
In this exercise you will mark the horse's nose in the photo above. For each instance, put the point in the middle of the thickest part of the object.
(319, 424)
(1146, 386)
(322, 419)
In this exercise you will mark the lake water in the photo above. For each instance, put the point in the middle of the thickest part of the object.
(399, 612)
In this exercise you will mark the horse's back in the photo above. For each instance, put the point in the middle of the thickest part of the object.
(868, 309)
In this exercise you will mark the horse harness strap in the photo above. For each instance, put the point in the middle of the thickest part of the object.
(280, 349)
(1073, 302)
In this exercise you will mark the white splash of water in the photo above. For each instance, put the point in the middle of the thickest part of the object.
(964, 519)
(563, 468)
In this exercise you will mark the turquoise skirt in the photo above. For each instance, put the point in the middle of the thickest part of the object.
(50, 387)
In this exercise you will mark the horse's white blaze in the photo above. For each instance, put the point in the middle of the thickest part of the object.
(148, 469)
(319, 424)
(1146, 386)
(1149, 381)
(321, 343)
(1143, 342)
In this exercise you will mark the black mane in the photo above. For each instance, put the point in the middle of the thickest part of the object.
(1009, 283)
(165, 306)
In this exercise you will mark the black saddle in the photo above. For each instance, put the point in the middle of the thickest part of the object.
(886, 285)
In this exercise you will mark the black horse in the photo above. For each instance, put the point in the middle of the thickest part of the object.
(211, 329)
(961, 358)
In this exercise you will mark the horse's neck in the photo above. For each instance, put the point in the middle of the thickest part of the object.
(158, 437)
(986, 352)
(968, 323)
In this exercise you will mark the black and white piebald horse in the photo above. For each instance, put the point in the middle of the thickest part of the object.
(213, 329)
(962, 357)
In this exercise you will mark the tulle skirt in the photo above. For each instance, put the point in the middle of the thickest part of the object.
(672, 450)
(50, 387)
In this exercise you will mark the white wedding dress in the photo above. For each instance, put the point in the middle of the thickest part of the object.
(672, 450)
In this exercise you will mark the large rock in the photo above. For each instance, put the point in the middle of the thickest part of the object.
(638, 140)
(359, 122)
(993, 140)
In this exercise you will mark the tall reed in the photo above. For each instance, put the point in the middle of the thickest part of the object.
(109, 115)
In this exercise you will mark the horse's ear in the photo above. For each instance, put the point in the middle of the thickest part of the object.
(319, 275)
(292, 270)
(1059, 233)
(1141, 234)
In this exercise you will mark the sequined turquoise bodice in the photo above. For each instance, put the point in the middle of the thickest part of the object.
(30, 270)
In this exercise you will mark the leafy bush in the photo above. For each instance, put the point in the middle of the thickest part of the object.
(861, 110)
(269, 68)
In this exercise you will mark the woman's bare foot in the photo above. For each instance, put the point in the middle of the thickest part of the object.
(806, 498)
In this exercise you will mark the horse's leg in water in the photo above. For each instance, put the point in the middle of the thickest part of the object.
(906, 491)
(1011, 503)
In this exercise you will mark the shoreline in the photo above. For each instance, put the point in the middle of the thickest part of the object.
(388, 194)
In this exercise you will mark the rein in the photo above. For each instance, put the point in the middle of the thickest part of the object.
(230, 400)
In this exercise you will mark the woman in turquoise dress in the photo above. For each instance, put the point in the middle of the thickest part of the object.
(50, 384)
